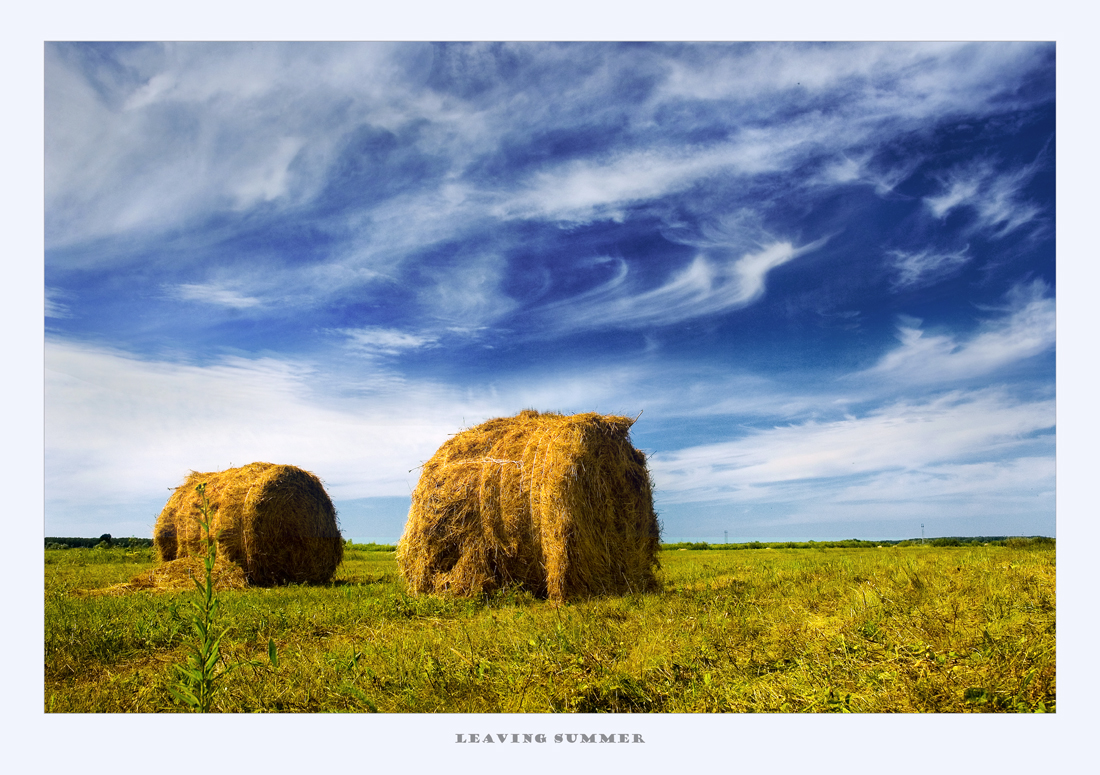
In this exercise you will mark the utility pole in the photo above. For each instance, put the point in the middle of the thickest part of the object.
(922, 532)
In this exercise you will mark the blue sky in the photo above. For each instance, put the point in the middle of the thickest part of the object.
(824, 274)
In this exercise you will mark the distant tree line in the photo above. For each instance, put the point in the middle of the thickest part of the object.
(90, 543)
(371, 547)
(1013, 542)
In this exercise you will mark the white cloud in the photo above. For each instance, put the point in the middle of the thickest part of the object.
(1026, 331)
(995, 197)
(194, 129)
(957, 428)
(466, 293)
(1010, 497)
(386, 341)
(55, 308)
(201, 128)
(708, 285)
(959, 190)
(122, 430)
(268, 177)
(925, 267)
(873, 91)
(591, 189)
(876, 81)
(1005, 480)
(861, 168)
(119, 428)
(213, 293)
(583, 191)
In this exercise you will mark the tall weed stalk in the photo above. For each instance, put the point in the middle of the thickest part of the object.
(198, 678)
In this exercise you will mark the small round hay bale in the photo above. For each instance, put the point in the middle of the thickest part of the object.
(561, 505)
(276, 522)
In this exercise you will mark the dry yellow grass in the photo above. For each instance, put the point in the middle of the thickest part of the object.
(561, 505)
(179, 574)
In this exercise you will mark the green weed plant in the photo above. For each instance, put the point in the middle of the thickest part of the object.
(203, 670)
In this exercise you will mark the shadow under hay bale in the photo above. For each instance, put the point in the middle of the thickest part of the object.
(276, 522)
(561, 505)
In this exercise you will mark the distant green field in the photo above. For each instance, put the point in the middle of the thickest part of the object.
(894, 629)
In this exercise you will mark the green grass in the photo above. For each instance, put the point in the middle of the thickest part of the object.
(897, 629)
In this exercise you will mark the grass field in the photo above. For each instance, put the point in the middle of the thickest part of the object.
(894, 629)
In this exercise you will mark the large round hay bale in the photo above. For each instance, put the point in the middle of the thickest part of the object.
(561, 505)
(276, 522)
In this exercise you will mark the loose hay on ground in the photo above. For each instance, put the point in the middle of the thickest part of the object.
(179, 574)
(274, 521)
(561, 505)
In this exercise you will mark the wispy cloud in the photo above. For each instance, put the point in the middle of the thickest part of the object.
(880, 80)
(269, 177)
(592, 189)
(995, 197)
(710, 284)
(1014, 496)
(212, 293)
(925, 267)
(198, 129)
(957, 427)
(386, 341)
(55, 307)
(1027, 330)
(861, 168)
(997, 482)
(121, 427)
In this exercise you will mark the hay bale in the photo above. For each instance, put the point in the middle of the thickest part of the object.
(561, 505)
(276, 522)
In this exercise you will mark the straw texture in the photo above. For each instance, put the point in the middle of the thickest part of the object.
(561, 505)
(275, 521)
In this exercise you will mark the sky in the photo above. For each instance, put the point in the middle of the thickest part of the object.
(822, 276)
